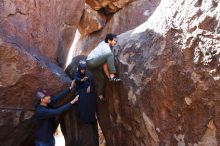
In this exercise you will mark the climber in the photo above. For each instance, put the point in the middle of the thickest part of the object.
(101, 58)
(87, 104)
(45, 116)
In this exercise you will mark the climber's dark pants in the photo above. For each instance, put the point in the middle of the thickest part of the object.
(95, 65)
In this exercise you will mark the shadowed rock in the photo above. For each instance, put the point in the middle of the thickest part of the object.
(21, 76)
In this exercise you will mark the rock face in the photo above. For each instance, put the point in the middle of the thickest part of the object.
(127, 18)
(169, 67)
(33, 36)
(21, 75)
(109, 6)
(91, 21)
(42, 27)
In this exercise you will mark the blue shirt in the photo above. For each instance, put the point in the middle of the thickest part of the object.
(45, 117)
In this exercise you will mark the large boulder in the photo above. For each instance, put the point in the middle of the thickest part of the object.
(126, 19)
(169, 67)
(33, 36)
(21, 76)
(91, 21)
(109, 6)
(42, 27)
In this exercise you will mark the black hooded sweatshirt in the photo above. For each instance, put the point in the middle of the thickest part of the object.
(87, 103)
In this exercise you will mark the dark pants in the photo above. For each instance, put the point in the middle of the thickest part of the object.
(40, 143)
(95, 65)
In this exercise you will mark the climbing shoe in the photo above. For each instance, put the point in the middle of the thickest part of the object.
(115, 79)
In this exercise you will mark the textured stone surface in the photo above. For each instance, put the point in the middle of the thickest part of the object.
(169, 67)
(21, 75)
(91, 21)
(32, 35)
(127, 18)
(12, 135)
(42, 27)
(109, 6)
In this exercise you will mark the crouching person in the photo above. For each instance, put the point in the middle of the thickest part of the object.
(45, 116)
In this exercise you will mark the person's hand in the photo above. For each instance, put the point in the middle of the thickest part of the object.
(75, 99)
(88, 89)
(72, 84)
(85, 78)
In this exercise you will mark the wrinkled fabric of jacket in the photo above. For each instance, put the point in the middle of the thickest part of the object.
(87, 103)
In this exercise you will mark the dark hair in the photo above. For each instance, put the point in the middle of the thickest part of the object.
(110, 37)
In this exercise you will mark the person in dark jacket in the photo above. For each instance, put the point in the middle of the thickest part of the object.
(87, 105)
(45, 116)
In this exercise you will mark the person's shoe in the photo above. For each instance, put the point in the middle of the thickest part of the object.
(115, 79)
